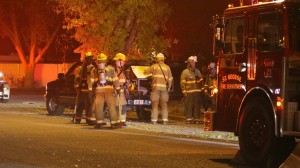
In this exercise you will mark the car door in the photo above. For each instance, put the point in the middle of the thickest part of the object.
(67, 91)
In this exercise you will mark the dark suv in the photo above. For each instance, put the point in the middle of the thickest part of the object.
(61, 93)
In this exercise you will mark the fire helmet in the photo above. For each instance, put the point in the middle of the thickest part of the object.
(191, 58)
(212, 65)
(160, 57)
(102, 58)
(88, 54)
(120, 56)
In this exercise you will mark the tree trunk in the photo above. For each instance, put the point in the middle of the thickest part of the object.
(29, 76)
(130, 40)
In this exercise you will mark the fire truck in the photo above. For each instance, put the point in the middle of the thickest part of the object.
(257, 46)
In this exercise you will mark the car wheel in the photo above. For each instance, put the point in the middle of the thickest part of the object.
(257, 132)
(143, 114)
(53, 107)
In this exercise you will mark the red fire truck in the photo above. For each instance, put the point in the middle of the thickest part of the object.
(257, 46)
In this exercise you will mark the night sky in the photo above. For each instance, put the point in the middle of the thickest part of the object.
(189, 24)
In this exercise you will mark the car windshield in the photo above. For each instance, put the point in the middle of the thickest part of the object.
(71, 71)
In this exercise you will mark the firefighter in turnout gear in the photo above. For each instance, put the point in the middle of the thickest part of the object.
(83, 85)
(121, 99)
(106, 82)
(210, 88)
(161, 83)
(191, 84)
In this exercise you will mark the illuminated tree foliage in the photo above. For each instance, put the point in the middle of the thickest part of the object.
(134, 27)
(31, 25)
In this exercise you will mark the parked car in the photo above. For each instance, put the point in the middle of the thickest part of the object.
(60, 93)
(138, 95)
(138, 98)
(4, 89)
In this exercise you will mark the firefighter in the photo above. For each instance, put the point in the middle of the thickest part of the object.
(190, 83)
(161, 83)
(120, 59)
(106, 82)
(209, 87)
(83, 86)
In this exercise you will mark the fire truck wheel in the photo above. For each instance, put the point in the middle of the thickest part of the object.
(256, 134)
(53, 107)
(143, 114)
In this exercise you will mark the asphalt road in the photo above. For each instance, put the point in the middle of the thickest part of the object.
(29, 139)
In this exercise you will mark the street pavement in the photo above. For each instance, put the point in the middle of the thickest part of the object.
(30, 139)
(32, 101)
(176, 124)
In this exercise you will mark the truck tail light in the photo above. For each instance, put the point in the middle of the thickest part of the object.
(279, 103)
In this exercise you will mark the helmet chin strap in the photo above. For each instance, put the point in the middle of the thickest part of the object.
(121, 64)
(120, 67)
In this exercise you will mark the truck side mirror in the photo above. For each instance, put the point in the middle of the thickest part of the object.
(218, 40)
(218, 34)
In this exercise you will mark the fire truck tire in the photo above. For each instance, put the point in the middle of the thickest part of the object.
(53, 107)
(143, 114)
(256, 133)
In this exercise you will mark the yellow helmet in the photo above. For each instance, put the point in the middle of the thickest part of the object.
(120, 56)
(160, 57)
(192, 59)
(102, 57)
(89, 54)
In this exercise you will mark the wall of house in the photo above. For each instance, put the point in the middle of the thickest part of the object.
(44, 73)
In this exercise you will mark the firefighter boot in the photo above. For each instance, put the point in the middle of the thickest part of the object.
(115, 125)
(77, 121)
(99, 125)
(123, 124)
(189, 121)
(197, 122)
(91, 122)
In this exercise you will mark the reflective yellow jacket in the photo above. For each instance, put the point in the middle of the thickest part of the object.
(84, 78)
(158, 80)
(112, 81)
(191, 81)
